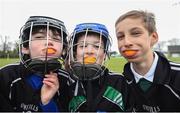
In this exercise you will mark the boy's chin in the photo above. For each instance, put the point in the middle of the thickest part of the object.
(133, 60)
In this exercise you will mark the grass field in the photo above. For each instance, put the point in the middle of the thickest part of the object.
(115, 64)
(7, 61)
(174, 59)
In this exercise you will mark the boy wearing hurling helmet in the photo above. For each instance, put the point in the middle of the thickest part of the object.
(95, 87)
(37, 83)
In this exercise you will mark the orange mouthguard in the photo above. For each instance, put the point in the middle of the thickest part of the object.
(89, 60)
(51, 51)
(129, 52)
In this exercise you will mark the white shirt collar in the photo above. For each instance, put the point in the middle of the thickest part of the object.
(150, 74)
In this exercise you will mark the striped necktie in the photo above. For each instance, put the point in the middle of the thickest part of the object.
(144, 84)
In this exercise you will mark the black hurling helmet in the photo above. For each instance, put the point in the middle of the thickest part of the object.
(91, 70)
(36, 64)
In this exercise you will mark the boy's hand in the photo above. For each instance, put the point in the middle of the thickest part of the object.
(49, 88)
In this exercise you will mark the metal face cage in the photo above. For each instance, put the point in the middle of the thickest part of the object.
(42, 64)
(93, 69)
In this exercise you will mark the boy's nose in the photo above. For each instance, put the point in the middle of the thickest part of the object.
(127, 42)
(90, 50)
(49, 42)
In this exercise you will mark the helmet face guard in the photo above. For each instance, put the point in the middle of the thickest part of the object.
(42, 64)
(89, 68)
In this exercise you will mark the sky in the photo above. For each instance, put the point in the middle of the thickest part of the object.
(14, 13)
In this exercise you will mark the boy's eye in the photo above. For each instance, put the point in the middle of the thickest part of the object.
(81, 45)
(39, 37)
(136, 33)
(97, 46)
(57, 38)
(120, 37)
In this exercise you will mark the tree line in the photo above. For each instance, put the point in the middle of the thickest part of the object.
(8, 49)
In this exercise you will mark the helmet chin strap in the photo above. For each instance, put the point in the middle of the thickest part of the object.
(86, 72)
(41, 67)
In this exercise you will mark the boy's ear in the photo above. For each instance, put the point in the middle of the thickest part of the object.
(25, 50)
(154, 38)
